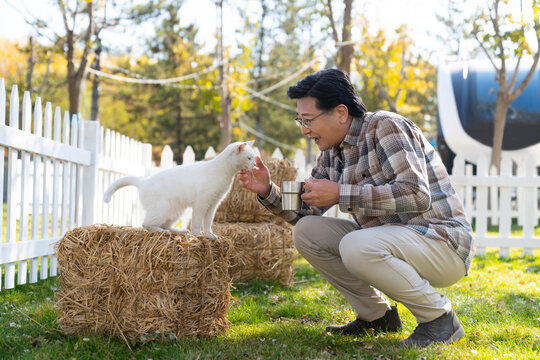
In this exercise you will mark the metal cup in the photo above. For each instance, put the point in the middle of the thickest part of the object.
(290, 195)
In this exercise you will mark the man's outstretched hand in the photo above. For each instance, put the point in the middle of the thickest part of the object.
(257, 179)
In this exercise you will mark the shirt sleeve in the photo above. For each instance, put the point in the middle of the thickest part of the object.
(273, 202)
(399, 151)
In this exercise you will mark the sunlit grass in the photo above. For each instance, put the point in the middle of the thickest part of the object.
(498, 304)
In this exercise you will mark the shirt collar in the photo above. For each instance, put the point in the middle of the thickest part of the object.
(353, 135)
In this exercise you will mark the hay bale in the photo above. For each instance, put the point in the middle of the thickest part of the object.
(131, 282)
(260, 250)
(241, 205)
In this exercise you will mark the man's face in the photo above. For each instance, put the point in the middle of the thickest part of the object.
(328, 129)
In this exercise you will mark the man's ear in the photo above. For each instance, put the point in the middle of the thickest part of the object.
(343, 113)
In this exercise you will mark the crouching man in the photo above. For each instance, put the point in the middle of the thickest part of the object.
(409, 233)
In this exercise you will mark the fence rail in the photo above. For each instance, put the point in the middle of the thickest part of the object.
(512, 196)
(56, 169)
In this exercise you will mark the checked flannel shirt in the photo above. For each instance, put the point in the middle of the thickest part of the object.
(389, 174)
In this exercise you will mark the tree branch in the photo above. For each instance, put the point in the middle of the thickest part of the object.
(88, 34)
(499, 40)
(62, 7)
(486, 52)
(330, 15)
(386, 97)
(532, 70)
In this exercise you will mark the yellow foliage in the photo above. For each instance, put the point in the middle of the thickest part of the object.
(237, 132)
(12, 62)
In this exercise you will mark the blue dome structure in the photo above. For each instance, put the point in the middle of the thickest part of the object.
(467, 94)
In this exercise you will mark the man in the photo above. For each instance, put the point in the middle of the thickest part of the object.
(409, 233)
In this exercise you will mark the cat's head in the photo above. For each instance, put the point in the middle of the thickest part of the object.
(243, 155)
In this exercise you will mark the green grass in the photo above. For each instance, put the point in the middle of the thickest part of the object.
(498, 305)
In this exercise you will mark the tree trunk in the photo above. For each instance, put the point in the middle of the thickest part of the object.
(259, 75)
(179, 133)
(95, 83)
(225, 119)
(73, 89)
(225, 116)
(31, 63)
(499, 121)
(75, 76)
(345, 53)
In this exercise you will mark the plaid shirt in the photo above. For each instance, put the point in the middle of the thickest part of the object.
(390, 174)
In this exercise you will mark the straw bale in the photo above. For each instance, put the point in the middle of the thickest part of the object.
(131, 282)
(241, 205)
(260, 250)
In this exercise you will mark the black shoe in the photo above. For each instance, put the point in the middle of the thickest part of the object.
(445, 329)
(390, 322)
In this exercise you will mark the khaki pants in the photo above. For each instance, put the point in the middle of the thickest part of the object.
(392, 259)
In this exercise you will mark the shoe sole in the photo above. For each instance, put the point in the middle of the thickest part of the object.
(458, 334)
(364, 331)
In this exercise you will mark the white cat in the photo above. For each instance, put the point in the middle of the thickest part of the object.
(202, 186)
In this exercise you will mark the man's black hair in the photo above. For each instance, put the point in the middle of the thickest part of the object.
(330, 87)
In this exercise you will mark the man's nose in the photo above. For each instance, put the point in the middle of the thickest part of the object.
(304, 130)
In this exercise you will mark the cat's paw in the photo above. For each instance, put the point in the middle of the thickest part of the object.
(211, 236)
(177, 231)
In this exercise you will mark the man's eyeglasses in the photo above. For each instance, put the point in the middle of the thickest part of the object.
(307, 122)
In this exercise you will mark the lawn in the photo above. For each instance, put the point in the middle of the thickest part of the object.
(498, 304)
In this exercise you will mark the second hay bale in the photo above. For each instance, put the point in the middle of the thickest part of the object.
(260, 250)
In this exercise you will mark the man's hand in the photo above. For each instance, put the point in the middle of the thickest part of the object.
(321, 192)
(257, 179)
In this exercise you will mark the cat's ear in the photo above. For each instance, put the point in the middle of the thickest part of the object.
(241, 147)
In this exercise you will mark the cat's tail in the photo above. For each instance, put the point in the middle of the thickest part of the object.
(120, 183)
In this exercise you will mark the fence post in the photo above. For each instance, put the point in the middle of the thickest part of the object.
(166, 157)
(482, 172)
(2, 152)
(300, 164)
(505, 206)
(188, 156)
(531, 200)
(11, 226)
(210, 153)
(277, 154)
(90, 173)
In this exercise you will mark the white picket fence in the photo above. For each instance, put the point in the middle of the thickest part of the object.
(57, 168)
(500, 199)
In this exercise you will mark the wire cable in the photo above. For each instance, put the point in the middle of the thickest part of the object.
(248, 128)
(150, 81)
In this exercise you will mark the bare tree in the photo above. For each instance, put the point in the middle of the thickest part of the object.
(498, 41)
(75, 74)
(345, 46)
